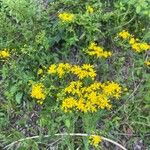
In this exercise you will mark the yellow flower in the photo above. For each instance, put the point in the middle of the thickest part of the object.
(90, 108)
(112, 89)
(73, 85)
(144, 46)
(4, 53)
(94, 50)
(140, 47)
(80, 105)
(87, 67)
(95, 140)
(62, 69)
(84, 71)
(66, 17)
(40, 71)
(103, 102)
(38, 92)
(92, 45)
(136, 45)
(59, 69)
(52, 69)
(95, 86)
(68, 104)
(147, 63)
(92, 97)
(89, 9)
(124, 34)
(132, 41)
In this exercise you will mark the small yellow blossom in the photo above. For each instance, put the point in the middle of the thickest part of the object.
(84, 71)
(94, 50)
(112, 89)
(136, 47)
(144, 46)
(66, 17)
(147, 63)
(90, 108)
(124, 34)
(40, 71)
(4, 53)
(103, 102)
(68, 104)
(90, 9)
(62, 69)
(38, 92)
(132, 41)
(95, 140)
(52, 69)
(80, 105)
(87, 67)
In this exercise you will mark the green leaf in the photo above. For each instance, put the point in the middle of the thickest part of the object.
(13, 89)
(19, 97)
(138, 9)
(67, 123)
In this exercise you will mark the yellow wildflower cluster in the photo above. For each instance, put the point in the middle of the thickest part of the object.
(38, 92)
(94, 50)
(89, 9)
(135, 43)
(112, 89)
(124, 34)
(147, 63)
(81, 72)
(4, 53)
(66, 17)
(95, 140)
(90, 98)
(140, 47)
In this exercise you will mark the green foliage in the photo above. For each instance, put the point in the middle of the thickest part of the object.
(142, 6)
(36, 38)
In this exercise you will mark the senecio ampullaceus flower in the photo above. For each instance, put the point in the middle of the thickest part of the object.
(66, 17)
(86, 70)
(38, 92)
(89, 9)
(147, 63)
(85, 98)
(95, 140)
(90, 98)
(124, 34)
(79, 96)
(135, 44)
(4, 53)
(98, 51)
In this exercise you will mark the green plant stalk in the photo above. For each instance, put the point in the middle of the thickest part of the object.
(70, 129)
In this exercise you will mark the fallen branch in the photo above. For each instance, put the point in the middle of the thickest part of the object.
(64, 134)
